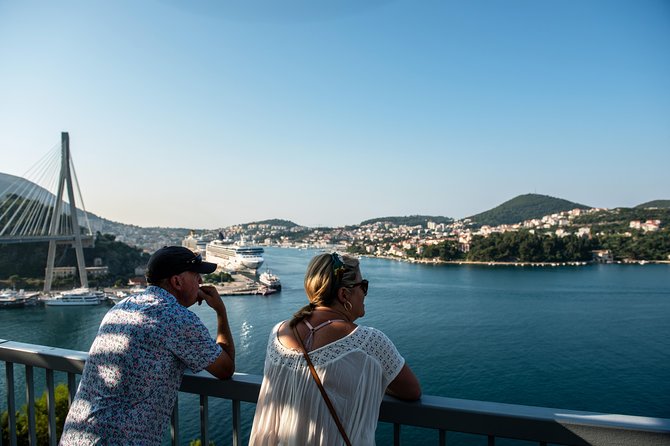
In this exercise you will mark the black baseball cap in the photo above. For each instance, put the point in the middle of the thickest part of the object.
(172, 260)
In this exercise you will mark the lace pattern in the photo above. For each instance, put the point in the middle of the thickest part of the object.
(366, 339)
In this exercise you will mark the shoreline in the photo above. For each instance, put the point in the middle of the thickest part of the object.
(533, 264)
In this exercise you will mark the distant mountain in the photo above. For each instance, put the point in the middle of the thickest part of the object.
(661, 204)
(411, 220)
(274, 222)
(524, 207)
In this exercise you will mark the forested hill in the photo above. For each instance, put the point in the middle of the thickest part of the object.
(524, 207)
(274, 222)
(661, 204)
(411, 220)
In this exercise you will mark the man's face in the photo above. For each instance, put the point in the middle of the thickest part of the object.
(189, 285)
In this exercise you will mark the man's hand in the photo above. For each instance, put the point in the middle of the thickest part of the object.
(224, 366)
(209, 294)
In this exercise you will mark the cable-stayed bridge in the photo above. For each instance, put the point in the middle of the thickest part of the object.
(46, 205)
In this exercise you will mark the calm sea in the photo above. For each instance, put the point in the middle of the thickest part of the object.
(593, 338)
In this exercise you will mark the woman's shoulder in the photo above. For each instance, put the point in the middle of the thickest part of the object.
(373, 337)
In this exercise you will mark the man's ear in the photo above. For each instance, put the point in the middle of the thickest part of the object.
(175, 281)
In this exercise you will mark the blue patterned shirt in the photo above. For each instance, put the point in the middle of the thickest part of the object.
(134, 370)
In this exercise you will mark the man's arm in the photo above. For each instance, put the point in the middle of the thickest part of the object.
(224, 366)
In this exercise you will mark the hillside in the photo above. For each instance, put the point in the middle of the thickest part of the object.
(524, 207)
(274, 222)
(661, 204)
(411, 220)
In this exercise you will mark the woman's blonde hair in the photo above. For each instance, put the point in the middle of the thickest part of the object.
(326, 274)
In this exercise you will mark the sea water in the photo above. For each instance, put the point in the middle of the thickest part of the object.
(593, 337)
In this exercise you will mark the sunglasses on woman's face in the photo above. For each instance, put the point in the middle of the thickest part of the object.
(364, 286)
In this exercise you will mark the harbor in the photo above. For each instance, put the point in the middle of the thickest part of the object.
(241, 285)
(244, 285)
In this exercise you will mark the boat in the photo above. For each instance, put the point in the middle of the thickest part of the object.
(16, 299)
(195, 243)
(232, 257)
(76, 297)
(117, 297)
(270, 280)
(265, 291)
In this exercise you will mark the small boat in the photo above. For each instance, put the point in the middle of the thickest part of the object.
(117, 297)
(270, 280)
(76, 297)
(16, 299)
(265, 291)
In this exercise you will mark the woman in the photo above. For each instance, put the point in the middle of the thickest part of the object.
(356, 365)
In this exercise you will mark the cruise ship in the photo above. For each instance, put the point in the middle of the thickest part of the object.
(234, 257)
(194, 243)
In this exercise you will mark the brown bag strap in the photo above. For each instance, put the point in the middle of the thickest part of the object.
(321, 389)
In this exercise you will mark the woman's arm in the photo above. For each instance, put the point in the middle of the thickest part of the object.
(405, 386)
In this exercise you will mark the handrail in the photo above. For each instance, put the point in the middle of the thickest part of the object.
(540, 424)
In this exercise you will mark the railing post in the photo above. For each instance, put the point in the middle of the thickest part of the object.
(443, 437)
(396, 434)
(51, 405)
(236, 422)
(204, 410)
(11, 403)
(71, 388)
(174, 425)
(30, 400)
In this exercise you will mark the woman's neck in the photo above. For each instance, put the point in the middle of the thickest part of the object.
(332, 310)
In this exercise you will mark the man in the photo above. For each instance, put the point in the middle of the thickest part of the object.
(144, 345)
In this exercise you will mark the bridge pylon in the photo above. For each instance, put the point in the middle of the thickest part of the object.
(65, 181)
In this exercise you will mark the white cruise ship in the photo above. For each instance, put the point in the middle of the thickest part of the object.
(194, 243)
(76, 297)
(234, 257)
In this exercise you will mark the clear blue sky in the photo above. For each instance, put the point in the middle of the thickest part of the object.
(328, 112)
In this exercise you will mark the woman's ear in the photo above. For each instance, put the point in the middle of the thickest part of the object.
(343, 295)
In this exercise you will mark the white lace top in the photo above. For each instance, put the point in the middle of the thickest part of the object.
(355, 371)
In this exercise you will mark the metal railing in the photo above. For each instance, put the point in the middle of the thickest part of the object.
(491, 420)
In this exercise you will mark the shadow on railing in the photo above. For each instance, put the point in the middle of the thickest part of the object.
(492, 420)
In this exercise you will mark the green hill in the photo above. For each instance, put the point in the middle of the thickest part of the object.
(411, 220)
(661, 204)
(524, 207)
(273, 222)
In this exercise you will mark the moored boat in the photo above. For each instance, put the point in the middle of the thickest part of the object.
(75, 297)
(270, 280)
(233, 257)
(265, 291)
(16, 299)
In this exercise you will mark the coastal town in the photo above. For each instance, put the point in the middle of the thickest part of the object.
(410, 241)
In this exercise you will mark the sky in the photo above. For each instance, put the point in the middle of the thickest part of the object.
(205, 114)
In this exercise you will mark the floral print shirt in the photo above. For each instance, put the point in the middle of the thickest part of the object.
(134, 370)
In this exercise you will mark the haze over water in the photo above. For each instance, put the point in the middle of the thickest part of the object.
(590, 338)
